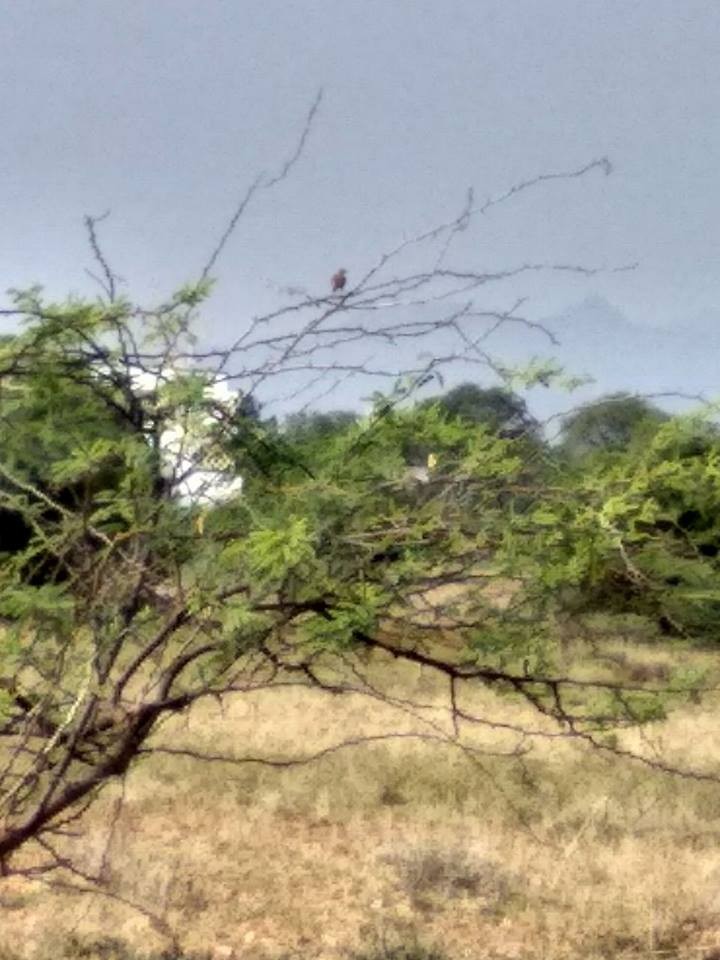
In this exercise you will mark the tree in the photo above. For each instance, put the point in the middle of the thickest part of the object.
(501, 410)
(38, 434)
(162, 605)
(308, 426)
(659, 502)
(612, 423)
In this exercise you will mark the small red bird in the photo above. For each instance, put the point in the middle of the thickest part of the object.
(339, 280)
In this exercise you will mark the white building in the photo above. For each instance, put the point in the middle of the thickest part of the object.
(198, 471)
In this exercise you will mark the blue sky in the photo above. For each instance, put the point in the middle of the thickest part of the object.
(163, 111)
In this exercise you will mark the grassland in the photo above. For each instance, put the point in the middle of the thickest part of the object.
(559, 852)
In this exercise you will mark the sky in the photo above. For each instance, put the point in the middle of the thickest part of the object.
(164, 111)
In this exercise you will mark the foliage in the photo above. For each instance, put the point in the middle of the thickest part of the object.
(613, 423)
(329, 554)
(639, 530)
(310, 427)
(500, 410)
(321, 552)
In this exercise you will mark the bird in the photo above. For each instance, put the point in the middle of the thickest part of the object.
(339, 279)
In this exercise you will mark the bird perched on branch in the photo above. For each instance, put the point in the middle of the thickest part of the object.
(339, 280)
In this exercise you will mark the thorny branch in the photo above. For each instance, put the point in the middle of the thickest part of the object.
(108, 280)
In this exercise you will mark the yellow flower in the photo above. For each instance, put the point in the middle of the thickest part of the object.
(431, 461)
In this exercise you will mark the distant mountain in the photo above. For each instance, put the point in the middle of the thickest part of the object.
(597, 339)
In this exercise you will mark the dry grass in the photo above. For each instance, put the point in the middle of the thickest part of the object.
(563, 853)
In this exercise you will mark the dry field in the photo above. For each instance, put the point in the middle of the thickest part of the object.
(560, 853)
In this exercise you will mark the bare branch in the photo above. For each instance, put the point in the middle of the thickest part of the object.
(109, 282)
(265, 184)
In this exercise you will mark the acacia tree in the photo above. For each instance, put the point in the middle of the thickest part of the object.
(153, 605)
(660, 503)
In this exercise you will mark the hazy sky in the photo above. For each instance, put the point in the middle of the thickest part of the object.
(165, 110)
